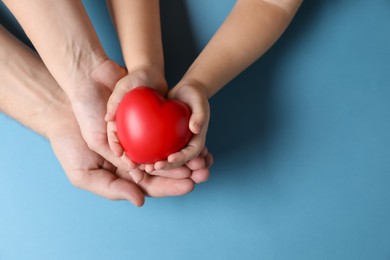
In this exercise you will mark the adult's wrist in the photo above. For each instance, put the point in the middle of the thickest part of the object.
(55, 114)
(58, 118)
(78, 71)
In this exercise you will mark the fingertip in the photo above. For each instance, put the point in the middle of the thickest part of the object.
(173, 158)
(138, 203)
(201, 175)
(195, 127)
(159, 165)
(149, 168)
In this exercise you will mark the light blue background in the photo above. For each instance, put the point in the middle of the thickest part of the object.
(301, 143)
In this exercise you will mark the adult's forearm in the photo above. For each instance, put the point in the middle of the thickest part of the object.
(63, 35)
(28, 92)
(139, 30)
(250, 30)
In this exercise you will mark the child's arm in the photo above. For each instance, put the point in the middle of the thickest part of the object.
(138, 26)
(250, 30)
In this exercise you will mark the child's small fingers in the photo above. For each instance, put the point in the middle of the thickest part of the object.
(176, 173)
(200, 113)
(112, 106)
(121, 88)
(161, 165)
(189, 152)
(130, 163)
(149, 168)
(180, 156)
(113, 141)
(197, 101)
(197, 121)
(165, 165)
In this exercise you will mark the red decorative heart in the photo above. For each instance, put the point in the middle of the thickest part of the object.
(149, 127)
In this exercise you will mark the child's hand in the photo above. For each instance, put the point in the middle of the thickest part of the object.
(140, 77)
(194, 95)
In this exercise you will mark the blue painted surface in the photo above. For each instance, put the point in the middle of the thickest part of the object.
(301, 142)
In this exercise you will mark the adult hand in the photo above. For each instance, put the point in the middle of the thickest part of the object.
(89, 171)
(89, 104)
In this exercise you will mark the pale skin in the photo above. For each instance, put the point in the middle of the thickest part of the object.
(68, 45)
(251, 28)
(30, 94)
(139, 30)
(66, 41)
(75, 58)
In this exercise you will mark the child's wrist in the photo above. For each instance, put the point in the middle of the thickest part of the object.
(149, 75)
(186, 82)
(147, 67)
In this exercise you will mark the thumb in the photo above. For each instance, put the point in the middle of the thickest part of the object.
(198, 104)
(200, 113)
(196, 123)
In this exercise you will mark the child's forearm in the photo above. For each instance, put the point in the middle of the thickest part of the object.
(63, 36)
(250, 30)
(28, 92)
(139, 30)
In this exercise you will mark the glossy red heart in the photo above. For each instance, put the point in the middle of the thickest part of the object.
(149, 127)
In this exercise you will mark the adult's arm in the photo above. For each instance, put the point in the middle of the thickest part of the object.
(29, 94)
